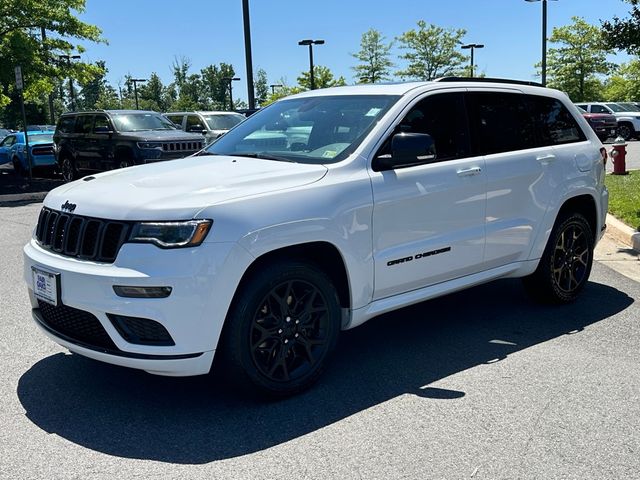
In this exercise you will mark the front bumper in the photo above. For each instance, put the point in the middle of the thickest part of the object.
(203, 280)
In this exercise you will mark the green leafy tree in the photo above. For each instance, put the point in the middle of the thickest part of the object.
(432, 52)
(375, 64)
(323, 78)
(579, 59)
(261, 86)
(152, 95)
(21, 44)
(215, 85)
(283, 91)
(624, 85)
(624, 34)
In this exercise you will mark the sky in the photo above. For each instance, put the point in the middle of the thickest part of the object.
(146, 36)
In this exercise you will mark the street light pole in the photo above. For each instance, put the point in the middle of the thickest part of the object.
(251, 97)
(311, 43)
(544, 40)
(472, 46)
(230, 80)
(69, 58)
(135, 88)
(273, 88)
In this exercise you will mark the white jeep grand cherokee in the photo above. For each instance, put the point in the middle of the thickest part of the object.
(314, 215)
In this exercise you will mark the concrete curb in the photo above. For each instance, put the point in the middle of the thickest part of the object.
(9, 200)
(623, 233)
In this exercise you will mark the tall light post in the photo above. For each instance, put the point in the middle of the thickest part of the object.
(544, 40)
(251, 94)
(68, 58)
(135, 88)
(472, 46)
(229, 81)
(311, 43)
(273, 87)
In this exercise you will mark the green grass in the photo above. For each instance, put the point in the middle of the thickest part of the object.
(624, 197)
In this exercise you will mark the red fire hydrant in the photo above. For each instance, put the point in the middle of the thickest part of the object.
(618, 156)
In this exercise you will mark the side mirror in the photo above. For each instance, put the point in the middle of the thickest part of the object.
(407, 149)
(196, 129)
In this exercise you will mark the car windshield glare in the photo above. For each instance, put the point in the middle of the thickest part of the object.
(223, 122)
(315, 130)
(134, 122)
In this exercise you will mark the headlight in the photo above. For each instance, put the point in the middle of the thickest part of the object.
(150, 144)
(190, 233)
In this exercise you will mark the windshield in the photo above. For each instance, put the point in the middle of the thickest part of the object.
(223, 122)
(135, 122)
(629, 107)
(615, 107)
(322, 129)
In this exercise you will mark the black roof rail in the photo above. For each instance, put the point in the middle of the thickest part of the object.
(487, 80)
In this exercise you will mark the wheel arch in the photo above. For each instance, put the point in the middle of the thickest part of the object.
(322, 254)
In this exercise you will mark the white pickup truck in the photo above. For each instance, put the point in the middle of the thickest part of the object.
(314, 215)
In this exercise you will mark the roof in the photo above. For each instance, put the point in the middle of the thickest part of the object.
(204, 112)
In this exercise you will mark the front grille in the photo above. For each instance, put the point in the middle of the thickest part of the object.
(141, 331)
(43, 150)
(76, 325)
(81, 237)
(181, 146)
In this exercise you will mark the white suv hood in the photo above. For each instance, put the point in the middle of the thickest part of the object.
(179, 189)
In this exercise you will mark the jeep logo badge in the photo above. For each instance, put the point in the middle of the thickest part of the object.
(69, 207)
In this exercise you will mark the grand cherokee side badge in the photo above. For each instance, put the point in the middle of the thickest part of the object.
(69, 207)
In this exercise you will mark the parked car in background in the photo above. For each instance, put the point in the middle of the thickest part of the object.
(604, 124)
(628, 122)
(210, 124)
(108, 139)
(13, 149)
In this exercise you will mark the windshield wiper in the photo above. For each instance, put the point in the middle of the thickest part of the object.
(262, 156)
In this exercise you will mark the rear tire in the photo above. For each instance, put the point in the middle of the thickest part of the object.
(68, 170)
(281, 329)
(566, 263)
(17, 167)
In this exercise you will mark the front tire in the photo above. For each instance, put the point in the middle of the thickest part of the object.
(17, 167)
(566, 262)
(281, 329)
(625, 130)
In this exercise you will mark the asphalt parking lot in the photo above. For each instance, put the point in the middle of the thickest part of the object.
(482, 384)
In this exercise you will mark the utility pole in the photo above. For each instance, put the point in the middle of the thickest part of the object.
(311, 43)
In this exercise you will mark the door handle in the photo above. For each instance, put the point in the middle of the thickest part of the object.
(468, 172)
(546, 158)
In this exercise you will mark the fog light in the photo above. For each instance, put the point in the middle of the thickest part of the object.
(142, 292)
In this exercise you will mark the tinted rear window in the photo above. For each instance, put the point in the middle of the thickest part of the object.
(500, 122)
(556, 125)
(65, 124)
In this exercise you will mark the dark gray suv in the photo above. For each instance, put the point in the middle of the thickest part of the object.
(108, 139)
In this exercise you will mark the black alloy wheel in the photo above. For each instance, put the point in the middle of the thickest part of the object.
(625, 131)
(566, 263)
(281, 329)
(289, 331)
(69, 172)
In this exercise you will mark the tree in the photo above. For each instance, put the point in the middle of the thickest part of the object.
(624, 85)
(262, 89)
(375, 63)
(323, 78)
(580, 57)
(215, 85)
(152, 94)
(624, 34)
(431, 51)
(21, 44)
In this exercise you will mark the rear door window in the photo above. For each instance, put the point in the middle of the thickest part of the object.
(499, 122)
(599, 109)
(84, 124)
(66, 124)
(556, 125)
(177, 119)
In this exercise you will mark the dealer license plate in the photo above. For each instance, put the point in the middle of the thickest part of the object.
(46, 285)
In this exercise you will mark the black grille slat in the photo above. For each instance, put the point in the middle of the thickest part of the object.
(81, 237)
(80, 326)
